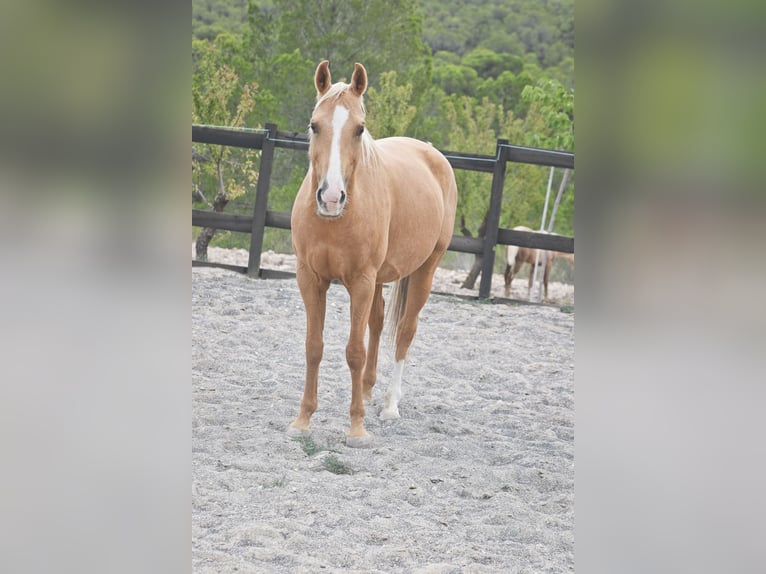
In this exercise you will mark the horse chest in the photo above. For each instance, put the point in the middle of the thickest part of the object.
(335, 252)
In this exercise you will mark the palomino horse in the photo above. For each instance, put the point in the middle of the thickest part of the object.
(368, 212)
(516, 256)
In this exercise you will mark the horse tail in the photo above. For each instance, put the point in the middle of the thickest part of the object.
(510, 254)
(396, 307)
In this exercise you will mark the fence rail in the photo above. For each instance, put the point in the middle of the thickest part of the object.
(270, 138)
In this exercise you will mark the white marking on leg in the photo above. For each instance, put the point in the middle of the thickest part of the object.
(391, 403)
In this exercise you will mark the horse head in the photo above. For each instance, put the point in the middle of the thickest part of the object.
(338, 138)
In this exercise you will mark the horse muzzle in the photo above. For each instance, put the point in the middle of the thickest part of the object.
(330, 203)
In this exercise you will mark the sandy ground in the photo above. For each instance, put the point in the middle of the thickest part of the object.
(476, 476)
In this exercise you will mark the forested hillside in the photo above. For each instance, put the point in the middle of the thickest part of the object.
(457, 73)
(544, 28)
(212, 17)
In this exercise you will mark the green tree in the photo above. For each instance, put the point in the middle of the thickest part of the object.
(471, 126)
(489, 64)
(390, 111)
(456, 79)
(211, 18)
(502, 90)
(219, 98)
(525, 184)
(384, 35)
(547, 124)
(555, 105)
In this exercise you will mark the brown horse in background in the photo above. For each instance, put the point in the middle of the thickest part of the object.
(368, 212)
(516, 256)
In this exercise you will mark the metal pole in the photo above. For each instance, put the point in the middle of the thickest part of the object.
(537, 252)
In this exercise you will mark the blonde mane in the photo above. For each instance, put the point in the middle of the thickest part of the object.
(335, 92)
(369, 150)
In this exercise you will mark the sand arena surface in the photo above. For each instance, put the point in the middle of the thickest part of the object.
(476, 476)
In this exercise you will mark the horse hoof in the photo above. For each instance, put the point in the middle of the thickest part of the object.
(359, 441)
(389, 414)
(293, 432)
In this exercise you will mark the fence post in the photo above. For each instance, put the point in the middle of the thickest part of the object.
(261, 202)
(493, 219)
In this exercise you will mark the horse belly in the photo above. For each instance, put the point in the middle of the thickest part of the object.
(414, 234)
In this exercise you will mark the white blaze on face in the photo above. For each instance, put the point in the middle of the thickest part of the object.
(334, 178)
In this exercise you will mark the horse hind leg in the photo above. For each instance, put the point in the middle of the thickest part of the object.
(517, 268)
(376, 327)
(547, 273)
(417, 292)
(508, 277)
(511, 255)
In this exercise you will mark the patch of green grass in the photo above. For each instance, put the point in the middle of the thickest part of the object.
(330, 462)
(333, 464)
(567, 308)
(308, 445)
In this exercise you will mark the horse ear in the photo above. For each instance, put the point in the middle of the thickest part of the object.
(359, 80)
(322, 78)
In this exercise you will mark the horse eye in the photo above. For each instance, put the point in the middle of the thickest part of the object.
(360, 130)
(314, 127)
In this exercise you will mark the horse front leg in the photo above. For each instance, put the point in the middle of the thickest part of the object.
(376, 327)
(314, 294)
(361, 292)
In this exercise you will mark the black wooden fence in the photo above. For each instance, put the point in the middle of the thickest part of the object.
(270, 138)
